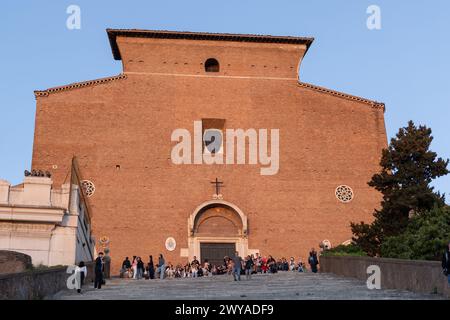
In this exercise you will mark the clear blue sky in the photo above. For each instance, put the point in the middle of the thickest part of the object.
(405, 64)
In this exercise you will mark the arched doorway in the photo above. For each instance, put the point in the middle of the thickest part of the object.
(217, 228)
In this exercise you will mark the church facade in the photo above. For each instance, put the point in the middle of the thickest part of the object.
(291, 174)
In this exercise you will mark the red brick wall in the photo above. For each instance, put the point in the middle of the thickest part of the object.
(325, 141)
(188, 57)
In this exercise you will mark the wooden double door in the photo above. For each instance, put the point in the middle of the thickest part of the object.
(215, 252)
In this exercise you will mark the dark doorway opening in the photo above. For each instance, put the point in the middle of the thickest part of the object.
(215, 252)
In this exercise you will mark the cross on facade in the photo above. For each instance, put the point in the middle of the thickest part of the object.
(218, 185)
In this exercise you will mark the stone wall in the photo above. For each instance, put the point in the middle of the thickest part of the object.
(12, 261)
(416, 276)
(35, 219)
(37, 284)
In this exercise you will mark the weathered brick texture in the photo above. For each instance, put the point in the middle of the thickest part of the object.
(326, 139)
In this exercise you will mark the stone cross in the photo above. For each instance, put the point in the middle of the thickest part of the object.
(218, 185)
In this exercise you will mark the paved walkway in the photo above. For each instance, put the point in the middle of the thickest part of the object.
(283, 285)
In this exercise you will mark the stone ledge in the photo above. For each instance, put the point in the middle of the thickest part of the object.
(12, 262)
(415, 276)
(33, 272)
(390, 260)
(37, 284)
(37, 180)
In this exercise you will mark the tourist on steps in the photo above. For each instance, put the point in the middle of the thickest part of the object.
(446, 262)
(272, 264)
(161, 266)
(151, 268)
(134, 267)
(126, 267)
(98, 269)
(140, 268)
(256, 263)
(82, 270)
(300, 265)
(313, 261)
(194, 267)
(248, 267)
(206, 268)
(126, 264)
(292, 264)
(237, 260)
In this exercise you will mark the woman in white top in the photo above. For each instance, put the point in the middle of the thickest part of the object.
(292, 265)
(134, 267)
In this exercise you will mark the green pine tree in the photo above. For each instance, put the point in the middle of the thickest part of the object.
(408, 167)
(425, 238)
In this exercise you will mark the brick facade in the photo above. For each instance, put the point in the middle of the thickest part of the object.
(120, 130)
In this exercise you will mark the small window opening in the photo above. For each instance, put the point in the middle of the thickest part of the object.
(212, 65)
(213, 135)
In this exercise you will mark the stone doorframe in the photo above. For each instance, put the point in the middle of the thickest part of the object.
(194, 241)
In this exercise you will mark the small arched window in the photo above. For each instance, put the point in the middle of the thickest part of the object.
(212, 65)
(213, 141)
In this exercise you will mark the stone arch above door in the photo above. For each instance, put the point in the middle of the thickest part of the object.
(217, 222)
(218, 216)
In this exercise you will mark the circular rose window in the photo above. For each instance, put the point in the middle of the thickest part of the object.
(88, 187)
(344, 193)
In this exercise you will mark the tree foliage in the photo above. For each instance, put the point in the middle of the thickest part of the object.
(425, 237)
(408, 166)
(345, 250)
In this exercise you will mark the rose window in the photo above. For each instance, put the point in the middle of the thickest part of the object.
(344, 193)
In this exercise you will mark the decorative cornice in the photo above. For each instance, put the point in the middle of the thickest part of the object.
(76, 85)
(372, 103)
(31, 206)
(187, 35)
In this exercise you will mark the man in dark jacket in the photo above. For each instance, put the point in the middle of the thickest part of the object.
(126, 267)
(151, 268)
(248, 267)
(98, 269)
(126, 264)
(312, 260)
(446, 262)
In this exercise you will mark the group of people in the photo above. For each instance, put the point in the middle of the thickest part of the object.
(99, 269)
(137, 269)
(235, 265)
(253, 264)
